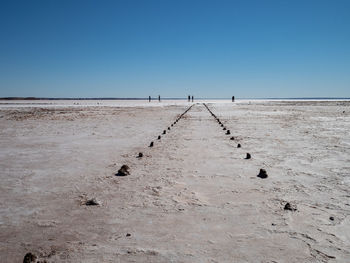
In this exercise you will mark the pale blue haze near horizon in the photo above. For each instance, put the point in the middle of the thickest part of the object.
(212, 49)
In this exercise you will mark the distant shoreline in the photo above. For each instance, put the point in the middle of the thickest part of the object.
(155, 98)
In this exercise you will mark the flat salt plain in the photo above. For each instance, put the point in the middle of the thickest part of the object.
(191, 198)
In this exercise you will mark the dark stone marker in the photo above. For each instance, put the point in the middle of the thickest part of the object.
(262, 174)
(224, 128)
(172, 125)
(151, 144)
(232, 138)
(164, 132)
(239, 145)
(228, 132)
(289, 207)
(248, 156)
(92, 202)
(123, 171)
(159, 137)
(128, 235)
(29, 258)
(168, 128)
(140, 155)
(331, 218)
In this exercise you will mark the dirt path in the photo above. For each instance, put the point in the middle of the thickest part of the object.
(188, 201)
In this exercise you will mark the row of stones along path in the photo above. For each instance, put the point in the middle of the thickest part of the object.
(189, 199)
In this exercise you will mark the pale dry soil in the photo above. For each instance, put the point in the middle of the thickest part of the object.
(191, 198)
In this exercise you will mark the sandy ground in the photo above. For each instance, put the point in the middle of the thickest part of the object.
(193, 197)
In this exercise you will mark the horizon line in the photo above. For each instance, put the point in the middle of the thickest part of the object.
(167, 98)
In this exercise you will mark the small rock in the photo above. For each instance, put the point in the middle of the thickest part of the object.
(331, 218)
(172, 125)
(151, 144)
(128, 235)
(168, 128)
(164, 132)
(123, 171)
(29, 258)
(239, 145)
(92, 201)
(222, 125)
(159, 137)
(248, 156)
(262, 174)
(232, 138)
(140, 155)
(224, 128)
(290, 207)
(228, 132)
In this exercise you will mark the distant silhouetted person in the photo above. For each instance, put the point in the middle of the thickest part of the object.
(159, 98)
(192, 98)
(233, 98)
(189, 98)
(149, 98)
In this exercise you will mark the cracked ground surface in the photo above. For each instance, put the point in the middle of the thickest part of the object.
(192, 197)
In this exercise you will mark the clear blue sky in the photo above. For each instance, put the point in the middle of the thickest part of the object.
(207, 48)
